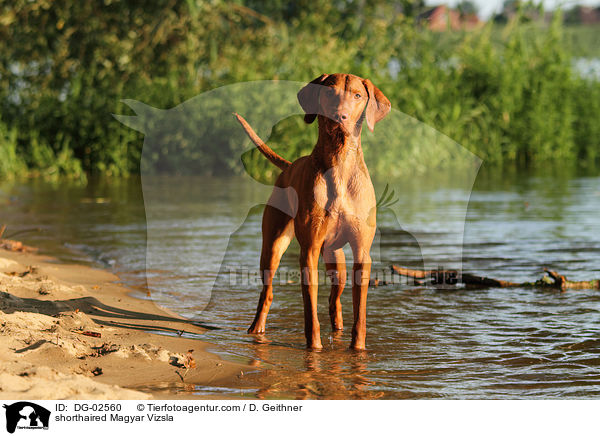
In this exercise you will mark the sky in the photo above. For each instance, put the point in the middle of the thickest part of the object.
(488, 7)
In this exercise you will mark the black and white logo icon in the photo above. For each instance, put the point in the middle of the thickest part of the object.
(26, 415)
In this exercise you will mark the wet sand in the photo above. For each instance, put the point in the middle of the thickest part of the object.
(73, 332)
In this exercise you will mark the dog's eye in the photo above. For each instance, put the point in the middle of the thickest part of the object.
(357, 96)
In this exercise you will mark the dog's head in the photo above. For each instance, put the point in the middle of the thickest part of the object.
(343, 101)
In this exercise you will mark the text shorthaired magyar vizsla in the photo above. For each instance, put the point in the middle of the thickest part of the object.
(326, 200)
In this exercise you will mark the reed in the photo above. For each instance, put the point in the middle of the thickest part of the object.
(509, 94)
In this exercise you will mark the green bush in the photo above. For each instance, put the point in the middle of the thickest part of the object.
(11, 163)
(509, 94)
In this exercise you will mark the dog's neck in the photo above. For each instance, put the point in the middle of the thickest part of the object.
(337, 148)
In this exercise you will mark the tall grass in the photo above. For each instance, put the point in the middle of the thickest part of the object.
(11, 163)
(509, 94)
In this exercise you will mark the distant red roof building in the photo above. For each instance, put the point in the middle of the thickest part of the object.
(470, 22)
(588, 15)
(442, 18)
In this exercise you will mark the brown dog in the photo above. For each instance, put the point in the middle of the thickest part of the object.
(326, 200)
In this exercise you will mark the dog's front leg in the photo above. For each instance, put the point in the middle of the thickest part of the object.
(309, 259)
(360, 285)
(335, 264)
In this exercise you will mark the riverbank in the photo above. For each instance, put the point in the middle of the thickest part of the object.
(73, 332)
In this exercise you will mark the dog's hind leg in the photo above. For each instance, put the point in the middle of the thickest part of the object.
(278, 231)
(335, 265)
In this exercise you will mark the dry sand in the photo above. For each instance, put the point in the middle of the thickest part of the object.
(45, 308)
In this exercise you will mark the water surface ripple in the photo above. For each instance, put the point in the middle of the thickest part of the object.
(422, 342)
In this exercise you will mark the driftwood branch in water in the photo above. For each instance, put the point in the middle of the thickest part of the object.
(11, 245)
(551, 280)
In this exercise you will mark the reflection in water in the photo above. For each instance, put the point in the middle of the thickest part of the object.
(422, 343)
(333, 374)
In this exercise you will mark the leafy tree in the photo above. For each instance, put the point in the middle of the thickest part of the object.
(509, 96)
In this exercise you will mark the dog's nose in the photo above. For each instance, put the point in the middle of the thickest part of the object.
(340, 117)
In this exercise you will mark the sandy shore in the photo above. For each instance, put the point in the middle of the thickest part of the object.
(71, 332)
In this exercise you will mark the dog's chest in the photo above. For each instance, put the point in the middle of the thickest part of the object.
(344, 199)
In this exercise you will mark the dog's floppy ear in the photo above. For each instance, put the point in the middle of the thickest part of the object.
(378, 105)
(308, 97)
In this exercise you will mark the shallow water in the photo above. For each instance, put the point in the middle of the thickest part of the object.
(422, 342)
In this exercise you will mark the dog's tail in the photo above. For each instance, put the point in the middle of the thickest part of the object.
(275, 159)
